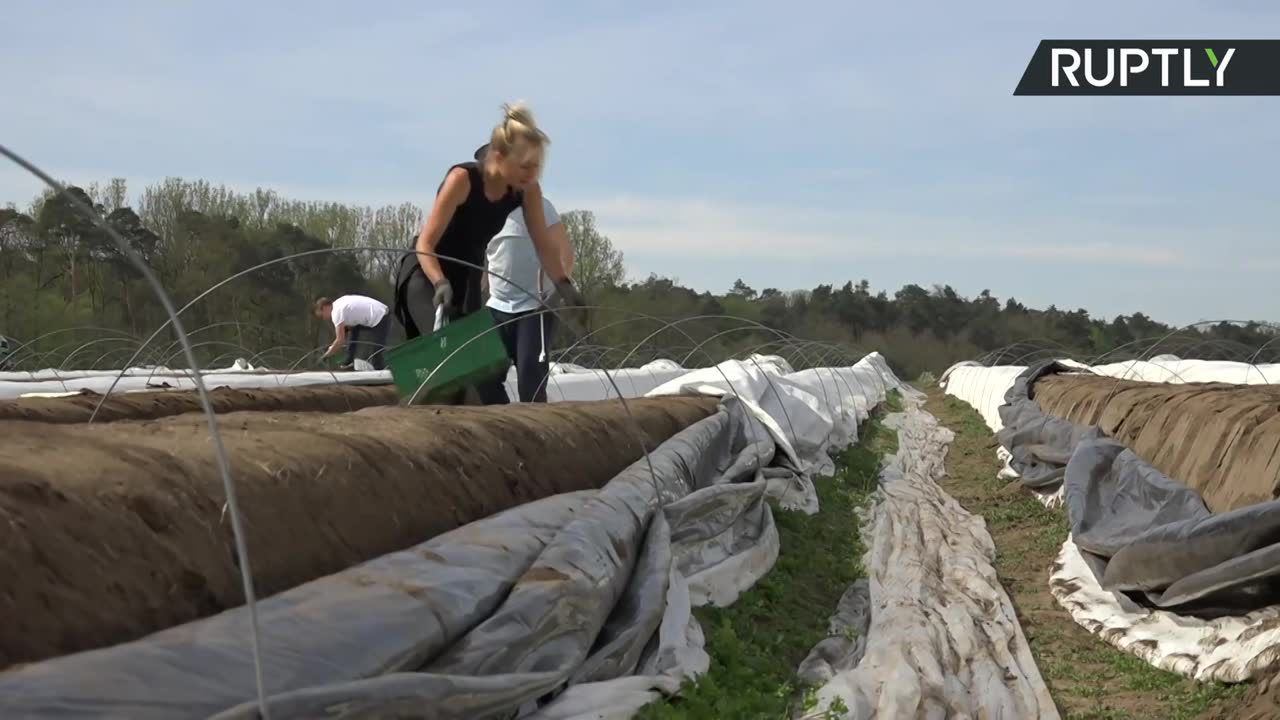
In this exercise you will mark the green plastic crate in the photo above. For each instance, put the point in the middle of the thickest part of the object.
(482, 359)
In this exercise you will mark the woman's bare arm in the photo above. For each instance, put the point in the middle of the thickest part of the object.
(536, 221)
(560, 235)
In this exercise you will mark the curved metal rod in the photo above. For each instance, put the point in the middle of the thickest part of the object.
(751, 326)
(59, 331)
(674, 325)
(219, 359)
(781, 404)
(753, 352)
(33, 341)
(99, 361)
(1039, 342)
(681, 321)
(632, 316)
(210, 343)
(309, 353)
(57, 350)
(750, 322)
(254, 358)
(1115, 387)
(639, 429)
(1255, 356)
(829, 349)
(608, 376)
(294, 256)
(837, 379)
(219, 451)
(67, 359)
(226, 323)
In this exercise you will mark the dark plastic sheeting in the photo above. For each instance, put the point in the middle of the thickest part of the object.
(480, 622)
(1143, 532)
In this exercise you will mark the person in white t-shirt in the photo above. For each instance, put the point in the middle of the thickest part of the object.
(518, 288)
(361, 325)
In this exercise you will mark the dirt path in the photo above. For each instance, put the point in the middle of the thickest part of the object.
(153, 405)
(1088, 678)
(111, 531)
(1261, 703)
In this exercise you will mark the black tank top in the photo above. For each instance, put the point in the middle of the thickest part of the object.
(474, 222)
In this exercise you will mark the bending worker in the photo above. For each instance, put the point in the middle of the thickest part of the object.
(361, 326)
(470, 207)
(526, 333)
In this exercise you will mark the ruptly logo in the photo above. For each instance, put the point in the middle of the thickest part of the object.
(1153, 67)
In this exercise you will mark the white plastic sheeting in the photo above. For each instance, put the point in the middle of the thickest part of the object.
(1225, 649)
(144, 380)
(591, 384)
(984, 387)
(564, 384)
(706, 543)
(239, 366)
(942, 638)
(1171, 369)
(1228, 649)
(806, 412)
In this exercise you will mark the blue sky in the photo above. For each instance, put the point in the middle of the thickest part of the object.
(788, 144)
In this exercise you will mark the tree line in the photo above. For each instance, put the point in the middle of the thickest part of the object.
(62, 272)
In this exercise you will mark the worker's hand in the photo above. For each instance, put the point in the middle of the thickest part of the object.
(444, 294)
(569, 295)
(572, 304)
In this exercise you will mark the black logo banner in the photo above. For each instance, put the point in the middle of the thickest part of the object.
(1153, 67)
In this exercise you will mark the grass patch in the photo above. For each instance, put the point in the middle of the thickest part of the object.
(757, 643)
(1088, 678)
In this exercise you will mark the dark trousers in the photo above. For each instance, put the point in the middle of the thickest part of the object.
(414, 303)
(416, 310)
(370, 343)
(529, 347)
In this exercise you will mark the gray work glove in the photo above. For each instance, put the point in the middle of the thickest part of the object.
(569, 295)
(444, 294)
(571, 303)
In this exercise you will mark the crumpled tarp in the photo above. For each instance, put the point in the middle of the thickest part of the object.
(985, 388)
(805, 412)
(1221, 649)
(931, 633)
(477, 622)
(1126, 514)
(1149, 533)
(1038, 445)
(587, 591)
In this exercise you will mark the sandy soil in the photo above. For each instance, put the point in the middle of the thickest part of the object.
(1088, 678)
(152, 405)
(1222, 440)
(1262, 703)
(112, 531)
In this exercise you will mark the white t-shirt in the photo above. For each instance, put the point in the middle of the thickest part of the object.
(511, 254)
(353, 310)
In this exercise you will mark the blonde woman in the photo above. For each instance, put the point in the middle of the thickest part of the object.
(471, 206)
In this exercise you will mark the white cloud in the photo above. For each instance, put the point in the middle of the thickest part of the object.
(708, 229)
